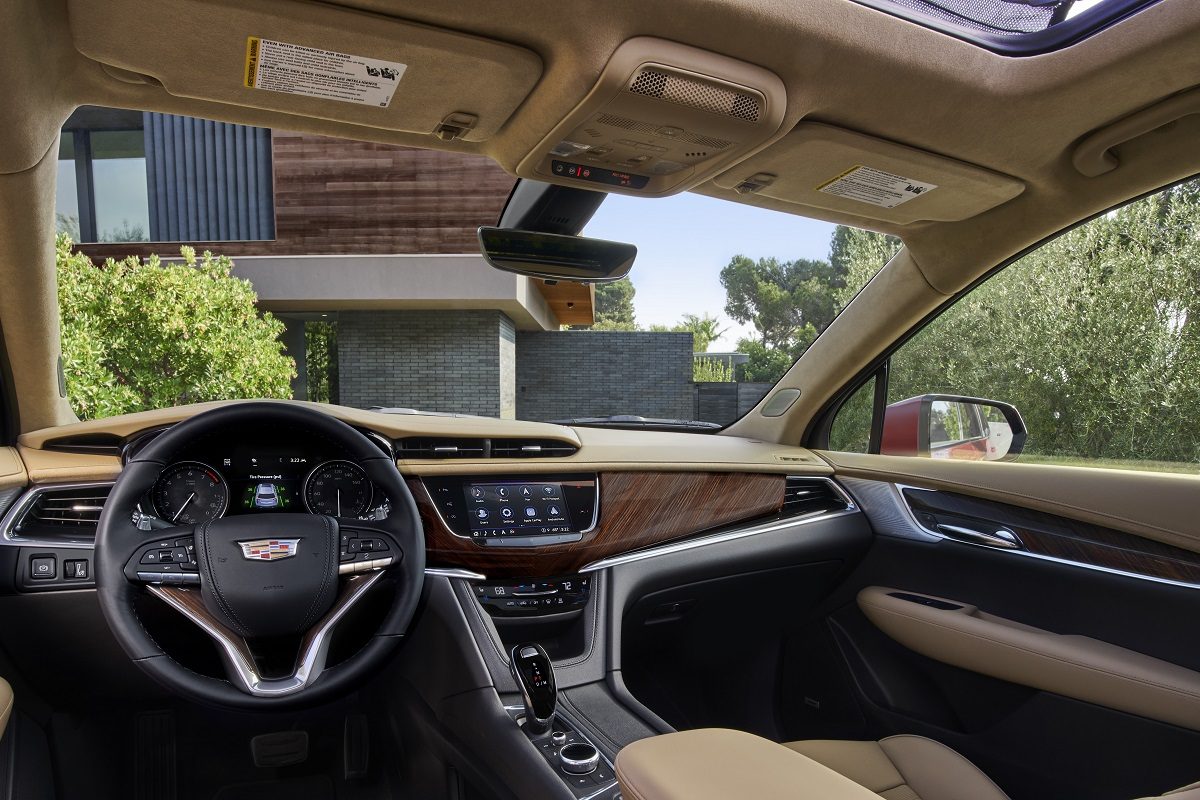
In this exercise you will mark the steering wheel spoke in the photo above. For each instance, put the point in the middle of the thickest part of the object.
(366, 548)
(237, 653)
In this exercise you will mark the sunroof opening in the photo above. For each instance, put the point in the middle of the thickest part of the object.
(1014, 27)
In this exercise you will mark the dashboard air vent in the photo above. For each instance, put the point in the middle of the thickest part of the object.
(441, 447)
(425, 447)
(531, 448)
(807, 496)
(69, 507)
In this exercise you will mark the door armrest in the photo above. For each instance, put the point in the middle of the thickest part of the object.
(717, 764)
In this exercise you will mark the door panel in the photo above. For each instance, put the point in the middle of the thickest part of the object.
(1157, 506)
(1032, 742)
(1070, 668)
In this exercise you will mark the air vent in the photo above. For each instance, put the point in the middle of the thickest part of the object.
(808, 496)
(692, 93)
(531, 448)
(73, 507)
(441, 447)
(446, 447)
(59, 514)
(100, 444)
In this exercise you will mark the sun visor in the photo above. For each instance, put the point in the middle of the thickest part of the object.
(830, 168)
(314, 60)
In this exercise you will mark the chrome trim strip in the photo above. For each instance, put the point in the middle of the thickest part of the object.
(21, 507)
(311, 661)
(501, 478)
(900, 487)
(455, 572)
(773, 526)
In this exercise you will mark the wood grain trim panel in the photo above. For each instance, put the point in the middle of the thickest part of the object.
(1071, 540)
(637, 510)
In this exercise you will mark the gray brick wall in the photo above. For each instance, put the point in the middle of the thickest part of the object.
(457, 362)
(596, 373)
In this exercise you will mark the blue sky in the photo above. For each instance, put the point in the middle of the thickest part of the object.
(685, 240)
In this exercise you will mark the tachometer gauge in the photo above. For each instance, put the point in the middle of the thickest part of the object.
(190, 493)
(339, 489)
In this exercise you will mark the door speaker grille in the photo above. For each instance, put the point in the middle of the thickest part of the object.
(695, 94)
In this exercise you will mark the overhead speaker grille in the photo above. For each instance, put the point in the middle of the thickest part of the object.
(625, 123)
(696, 94)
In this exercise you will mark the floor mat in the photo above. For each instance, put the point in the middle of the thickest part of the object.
(317, 787)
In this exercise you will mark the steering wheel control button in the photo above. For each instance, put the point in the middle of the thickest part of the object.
(43, 568)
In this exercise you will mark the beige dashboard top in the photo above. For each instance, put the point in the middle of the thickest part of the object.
(599, 448)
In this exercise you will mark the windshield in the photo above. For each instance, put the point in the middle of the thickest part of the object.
(208, 261)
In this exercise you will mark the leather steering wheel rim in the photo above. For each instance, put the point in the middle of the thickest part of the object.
(117, 536)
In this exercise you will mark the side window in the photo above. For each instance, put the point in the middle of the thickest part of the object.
(1093, 339)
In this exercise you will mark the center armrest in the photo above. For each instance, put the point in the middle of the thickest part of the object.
(718, 763)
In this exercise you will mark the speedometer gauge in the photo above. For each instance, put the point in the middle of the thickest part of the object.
(339, 489)
(190, 493)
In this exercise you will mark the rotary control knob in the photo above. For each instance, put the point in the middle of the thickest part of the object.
(579, 758)
(558, 738)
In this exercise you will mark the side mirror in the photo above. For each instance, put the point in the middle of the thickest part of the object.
(949, 426)
(552, 256)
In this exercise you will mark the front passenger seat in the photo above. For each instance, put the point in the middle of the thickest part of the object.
(6, 704)
(903, 768)
(916, 768)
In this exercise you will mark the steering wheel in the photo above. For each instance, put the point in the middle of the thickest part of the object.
(259, 578)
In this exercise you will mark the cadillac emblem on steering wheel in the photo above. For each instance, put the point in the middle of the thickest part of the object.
(269, 549)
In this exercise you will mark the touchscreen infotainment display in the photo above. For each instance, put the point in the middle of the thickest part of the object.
(510, 507)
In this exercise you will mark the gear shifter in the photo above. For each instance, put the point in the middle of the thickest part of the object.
(533, 672)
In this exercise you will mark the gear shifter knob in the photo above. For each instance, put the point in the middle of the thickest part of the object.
(534, 674)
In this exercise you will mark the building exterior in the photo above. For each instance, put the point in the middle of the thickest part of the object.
(376, 242)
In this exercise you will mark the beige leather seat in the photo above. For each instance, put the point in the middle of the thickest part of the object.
(6, 704)
(903, 768)
(916, 768)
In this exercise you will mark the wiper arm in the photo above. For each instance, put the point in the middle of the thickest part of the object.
(634, 422)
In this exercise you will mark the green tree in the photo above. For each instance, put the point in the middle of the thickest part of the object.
(614, 306)
(857, 255)
(1094, 337)
(766, 364)
(705, 330)
(320, 361)
(782, 299)
(138, 336)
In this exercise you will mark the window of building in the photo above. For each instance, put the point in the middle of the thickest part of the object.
(1094, 338)
(129, 176)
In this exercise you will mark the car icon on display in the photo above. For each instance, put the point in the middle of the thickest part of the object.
(266, 496)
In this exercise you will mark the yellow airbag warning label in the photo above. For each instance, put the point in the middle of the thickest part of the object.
(310, 71)
(874, 186)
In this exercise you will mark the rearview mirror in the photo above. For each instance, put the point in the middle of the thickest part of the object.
(953, 427)
(552, 256)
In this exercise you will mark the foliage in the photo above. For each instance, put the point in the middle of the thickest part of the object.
(857, 255)
(711, 370)
(766, 364)
(704, 330)
(785, 301)
(851, 431)
(614, 306)
(137, 335)
(320, 361)
(1094, 337)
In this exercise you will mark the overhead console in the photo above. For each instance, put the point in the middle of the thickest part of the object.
(662, 117)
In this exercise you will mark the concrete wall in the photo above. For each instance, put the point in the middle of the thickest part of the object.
(563, 374)
(456, 362)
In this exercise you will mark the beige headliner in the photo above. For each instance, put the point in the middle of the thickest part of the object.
(843, 64)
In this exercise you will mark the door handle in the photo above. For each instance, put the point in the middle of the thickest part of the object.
(1001, 537)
